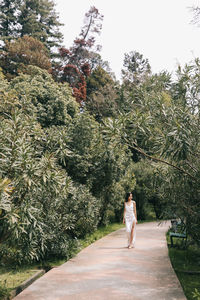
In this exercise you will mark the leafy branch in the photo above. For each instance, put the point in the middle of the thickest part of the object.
(137, 148)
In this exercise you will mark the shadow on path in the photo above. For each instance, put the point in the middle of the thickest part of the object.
(108, 270)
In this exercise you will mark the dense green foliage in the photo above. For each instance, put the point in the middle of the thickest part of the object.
(22, 52)
(101, 94)
(161, 123)
(65, 168)
(60, 176)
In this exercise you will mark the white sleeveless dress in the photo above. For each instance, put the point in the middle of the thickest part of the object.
(129, 220)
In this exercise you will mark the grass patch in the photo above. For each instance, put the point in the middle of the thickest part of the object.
(11, 278)
(185, 263)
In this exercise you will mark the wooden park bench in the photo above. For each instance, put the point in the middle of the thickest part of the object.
(178, 231)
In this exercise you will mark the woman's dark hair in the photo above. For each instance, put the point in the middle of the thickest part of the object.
(127, 196)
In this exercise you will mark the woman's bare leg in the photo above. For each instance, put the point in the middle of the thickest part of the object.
(132, 233)
(128, 237)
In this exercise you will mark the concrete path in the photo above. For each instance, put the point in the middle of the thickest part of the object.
(108, 270)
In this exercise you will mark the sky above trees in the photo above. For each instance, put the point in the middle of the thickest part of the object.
(160, 30)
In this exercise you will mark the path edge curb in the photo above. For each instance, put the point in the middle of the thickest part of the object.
(25, 284)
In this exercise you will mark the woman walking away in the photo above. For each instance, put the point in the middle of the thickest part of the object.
(130, 219)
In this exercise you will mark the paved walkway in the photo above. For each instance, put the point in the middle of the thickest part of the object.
(106, 270)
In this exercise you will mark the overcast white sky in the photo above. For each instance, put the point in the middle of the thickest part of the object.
(161, 30)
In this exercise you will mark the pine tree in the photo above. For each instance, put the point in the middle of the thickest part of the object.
(36, 18)
(39, 19)
(9, 12)
(136, 68)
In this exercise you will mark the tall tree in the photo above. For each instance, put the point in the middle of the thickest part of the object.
(101, 94)
(36, 18)
(9, 14)
(76, 64)
(136, 67)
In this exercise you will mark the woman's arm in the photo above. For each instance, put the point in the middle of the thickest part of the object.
(124, 213)
(135, 212)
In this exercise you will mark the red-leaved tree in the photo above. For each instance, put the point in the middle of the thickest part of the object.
(75, 64)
